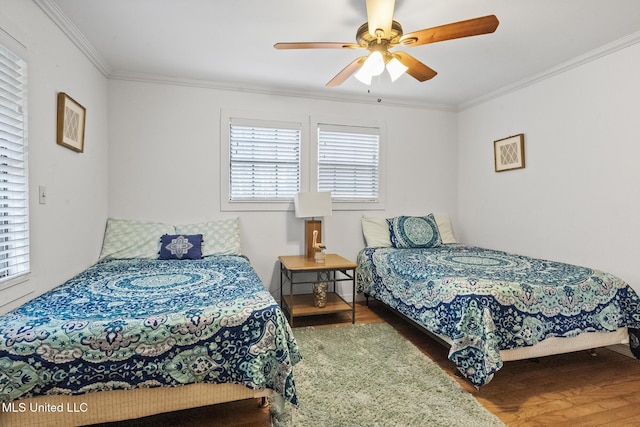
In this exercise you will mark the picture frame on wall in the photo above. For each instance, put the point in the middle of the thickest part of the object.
(508, 153)
(71, 123)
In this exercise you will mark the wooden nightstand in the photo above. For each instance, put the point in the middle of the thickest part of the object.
(298, 270)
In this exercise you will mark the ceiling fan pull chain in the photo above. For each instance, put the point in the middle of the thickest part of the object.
(374, 88)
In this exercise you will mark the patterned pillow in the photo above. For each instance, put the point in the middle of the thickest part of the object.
(177, 246)
(414, 232)
(376, 231)
(125, 238)
(221, 237)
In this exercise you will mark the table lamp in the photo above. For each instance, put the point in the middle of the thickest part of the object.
(312, 205)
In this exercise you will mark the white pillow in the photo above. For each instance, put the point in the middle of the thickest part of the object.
(445, 229)
(125, 238)
(376, 231)
(221, 237)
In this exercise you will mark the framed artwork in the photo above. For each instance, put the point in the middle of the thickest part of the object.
(508, 153)
(71, 122)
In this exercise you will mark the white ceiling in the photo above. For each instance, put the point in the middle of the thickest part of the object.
(231, 42)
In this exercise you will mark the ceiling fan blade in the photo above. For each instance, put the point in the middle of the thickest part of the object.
(456, 30)
(315, 45)
(416, 69)
(346, 72)
(380, 15)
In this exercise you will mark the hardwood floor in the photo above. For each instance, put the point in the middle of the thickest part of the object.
(574, 389)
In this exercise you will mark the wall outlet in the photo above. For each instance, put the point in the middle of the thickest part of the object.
(42, 194)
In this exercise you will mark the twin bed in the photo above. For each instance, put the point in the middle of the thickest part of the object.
(134, 335)
(491, 306)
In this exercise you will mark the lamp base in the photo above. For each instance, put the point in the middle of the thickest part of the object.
(310, 226)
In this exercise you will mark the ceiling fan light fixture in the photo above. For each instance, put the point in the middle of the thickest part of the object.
(363, 77)
(373, 66)
(395, 69)
(375, 63)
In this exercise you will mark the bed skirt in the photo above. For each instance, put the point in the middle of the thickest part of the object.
(546, 347)
(558, 345)
(118, 405)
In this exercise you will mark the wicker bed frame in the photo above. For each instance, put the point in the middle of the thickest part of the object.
(118, 405)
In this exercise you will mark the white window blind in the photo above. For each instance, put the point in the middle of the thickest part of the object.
(348, 162)
(264, 161)
(14, 200)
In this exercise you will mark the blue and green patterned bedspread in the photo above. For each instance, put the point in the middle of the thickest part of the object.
(124, 324)
(485, 301)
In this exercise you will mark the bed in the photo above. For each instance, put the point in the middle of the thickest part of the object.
(491, 306)
(135, 335)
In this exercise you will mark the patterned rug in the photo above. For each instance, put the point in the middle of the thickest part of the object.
(369, 375)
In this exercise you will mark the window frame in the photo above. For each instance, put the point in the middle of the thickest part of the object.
(258, 118)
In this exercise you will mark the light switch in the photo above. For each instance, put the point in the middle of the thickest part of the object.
(42, 194)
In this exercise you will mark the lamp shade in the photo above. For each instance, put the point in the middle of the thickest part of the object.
(310, 204)
(396, 68)
(373, 66)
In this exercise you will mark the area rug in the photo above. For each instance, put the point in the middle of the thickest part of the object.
(369, 375)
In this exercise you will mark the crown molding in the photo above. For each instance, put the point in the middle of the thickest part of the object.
(51, 9)
(274, 91)
(593, 55)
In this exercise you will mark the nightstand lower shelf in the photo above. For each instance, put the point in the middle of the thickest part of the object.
(303, 304)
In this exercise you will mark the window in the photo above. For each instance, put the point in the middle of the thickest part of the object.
(14, 200)
(265, 162)
(348, 162)
(261, 161)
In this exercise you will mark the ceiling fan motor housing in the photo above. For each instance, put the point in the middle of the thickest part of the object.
(373, 42)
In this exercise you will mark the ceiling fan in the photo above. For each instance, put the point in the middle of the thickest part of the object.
(381, 33)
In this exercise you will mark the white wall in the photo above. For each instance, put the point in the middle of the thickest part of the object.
(66, 232)
(578, 198)
(164, 160)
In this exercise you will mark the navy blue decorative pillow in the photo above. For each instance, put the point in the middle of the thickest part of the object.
(177, 246)
(414, 232)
